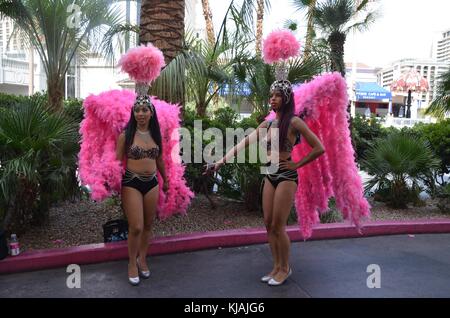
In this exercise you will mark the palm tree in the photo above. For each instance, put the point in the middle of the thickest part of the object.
(215, 70)
(336, 18)
(440, 106)
(162, 24)
(310, 6)
(258, 76)
(209, 23)
(209, 64)
(59, 29)
(259, 25)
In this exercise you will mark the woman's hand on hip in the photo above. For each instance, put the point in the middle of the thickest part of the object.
(288, 165)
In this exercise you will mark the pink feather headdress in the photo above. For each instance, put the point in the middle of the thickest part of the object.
(278, 47)
(143, 64)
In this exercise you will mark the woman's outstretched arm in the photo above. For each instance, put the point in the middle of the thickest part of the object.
(248, 140)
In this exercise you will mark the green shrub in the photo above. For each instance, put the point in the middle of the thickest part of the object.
(38, 161)
(74, 108)
(238, 181)
(332, 215)
(443, 196)
(398, 165)
(8, 101)
(364, 134)
(438, 136)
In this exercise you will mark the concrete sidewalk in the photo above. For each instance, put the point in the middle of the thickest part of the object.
(410, 266)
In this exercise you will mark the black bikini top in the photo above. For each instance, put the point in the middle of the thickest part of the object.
(287, 144)
(135, 152)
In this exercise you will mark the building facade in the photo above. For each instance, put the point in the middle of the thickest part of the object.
(442, 48)
(21, 72)
(430, 69)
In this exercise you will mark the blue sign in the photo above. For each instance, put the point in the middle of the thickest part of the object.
(372, 95)
(371, 91)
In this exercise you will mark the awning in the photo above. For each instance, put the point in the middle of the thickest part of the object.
(371, 91)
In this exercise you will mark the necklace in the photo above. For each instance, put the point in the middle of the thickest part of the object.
(142, 132)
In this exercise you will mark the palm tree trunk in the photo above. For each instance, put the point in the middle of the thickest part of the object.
(201, 109)
(310, 34)
(210, 36)
(162, 24)
(55, 88)
(209, 23)
(259, 26)
(336, 40)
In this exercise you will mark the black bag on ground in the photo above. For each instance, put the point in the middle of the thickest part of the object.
(115, 230)
(3, 245)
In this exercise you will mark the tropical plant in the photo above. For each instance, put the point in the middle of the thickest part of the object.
(59, 30)
(207, 14)
(364, 133)
(443, 196)
(336, 18)
(202, 70)
(258, 76)
(261, 7)
(7, 100)
(38, 160)
(438, 135)
(399, 164)
(440, 106)
(332, 215)
(310, 7)
(162, 24)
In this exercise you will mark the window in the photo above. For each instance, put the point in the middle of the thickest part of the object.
(71, 79)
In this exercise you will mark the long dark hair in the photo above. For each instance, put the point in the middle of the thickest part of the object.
(286, 114)
(155, 132)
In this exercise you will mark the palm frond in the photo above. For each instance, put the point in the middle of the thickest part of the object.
(365, 24)
(111, 42)
(290, 24)
(440, 106)
(301, 70)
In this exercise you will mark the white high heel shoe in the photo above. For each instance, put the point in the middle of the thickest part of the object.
(143, 274)
(266, 278)
(273, 282)
(134, 280)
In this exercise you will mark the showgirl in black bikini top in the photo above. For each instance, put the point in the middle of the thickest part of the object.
(135, 152)
(287, 144)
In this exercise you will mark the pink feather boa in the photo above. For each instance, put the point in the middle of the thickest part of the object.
(335, 173)
(105, 117)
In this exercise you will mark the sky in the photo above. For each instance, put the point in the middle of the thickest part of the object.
(405, 29)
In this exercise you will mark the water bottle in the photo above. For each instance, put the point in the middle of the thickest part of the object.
(14, 245)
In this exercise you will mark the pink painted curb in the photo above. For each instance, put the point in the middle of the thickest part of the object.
(97, 253)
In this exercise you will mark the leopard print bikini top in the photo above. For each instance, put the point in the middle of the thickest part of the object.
(135, 152)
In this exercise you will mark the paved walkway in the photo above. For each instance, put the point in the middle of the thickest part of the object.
(410, 266)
